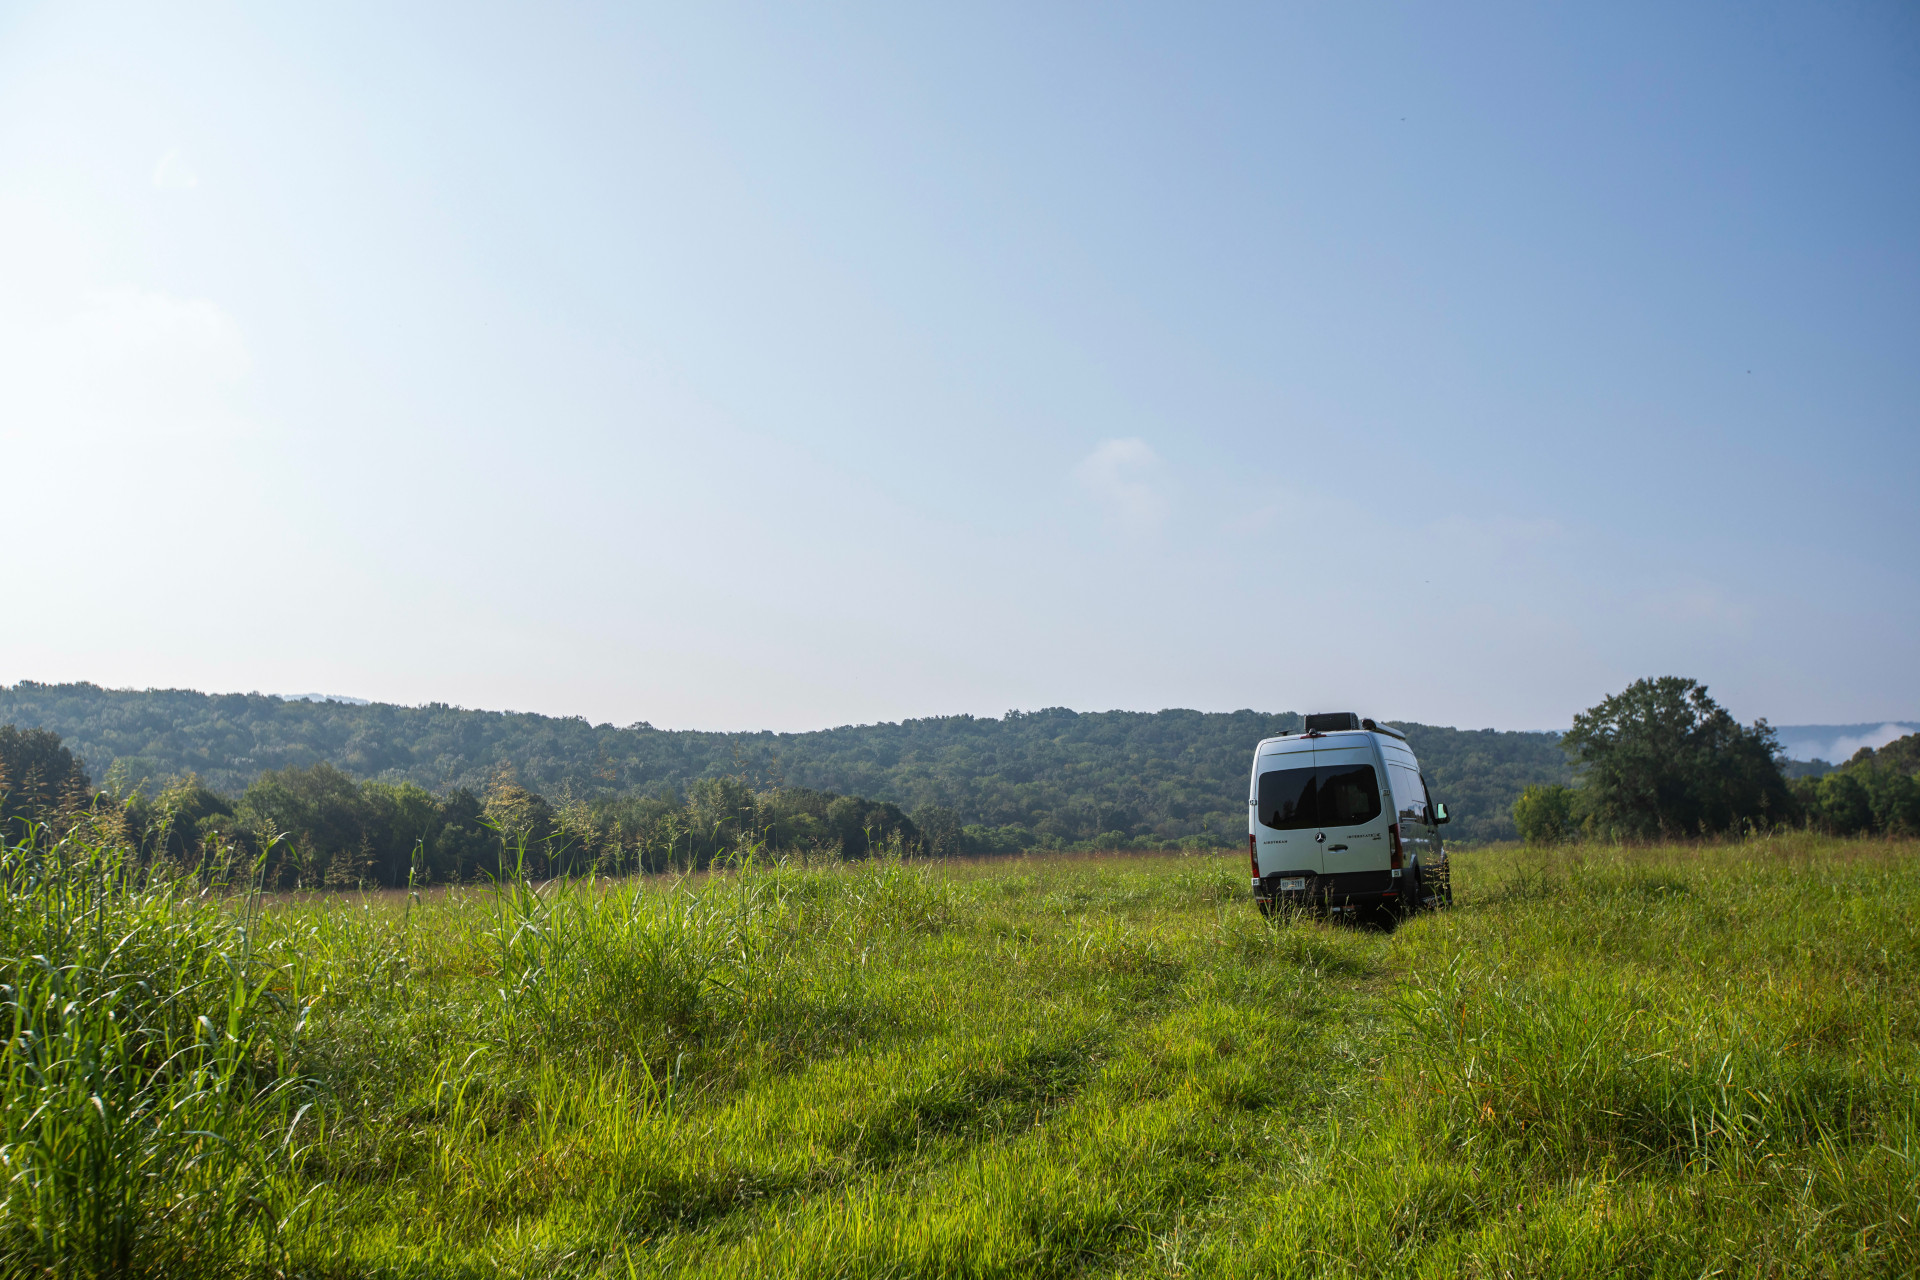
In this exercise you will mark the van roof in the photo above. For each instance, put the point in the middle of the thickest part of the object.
(1366, 726)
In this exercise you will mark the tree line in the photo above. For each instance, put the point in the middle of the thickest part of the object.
(1044, 779)
(1663, 760)
(318, 827)
(1873, 793)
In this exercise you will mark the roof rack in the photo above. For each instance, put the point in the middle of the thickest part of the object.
(1336, 721)
(1381, 728)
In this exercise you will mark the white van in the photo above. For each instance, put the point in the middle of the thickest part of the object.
(1340, 818)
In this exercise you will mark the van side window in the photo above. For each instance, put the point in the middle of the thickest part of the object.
(1409, 793)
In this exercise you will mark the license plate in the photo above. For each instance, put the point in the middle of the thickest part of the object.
(1296, 884)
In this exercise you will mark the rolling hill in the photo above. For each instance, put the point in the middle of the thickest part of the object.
(1058, 774)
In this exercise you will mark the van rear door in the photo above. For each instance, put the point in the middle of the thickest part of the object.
(1286, 812)
(1352, 812)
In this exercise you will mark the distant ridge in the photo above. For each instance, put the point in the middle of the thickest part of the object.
(1076, 775)
(1115, 776)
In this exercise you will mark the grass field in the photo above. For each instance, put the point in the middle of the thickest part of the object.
(1648, 1062)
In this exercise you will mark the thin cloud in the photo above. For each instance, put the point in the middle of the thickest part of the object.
(118, 365)
(1122, 474)
(1700, 606)
(1843, 748)
(172, 173)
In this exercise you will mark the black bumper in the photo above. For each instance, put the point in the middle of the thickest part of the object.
(1340, 889)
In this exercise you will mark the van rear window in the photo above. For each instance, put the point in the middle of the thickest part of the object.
(1337, 796)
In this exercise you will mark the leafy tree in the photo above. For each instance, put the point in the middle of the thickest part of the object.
(178, 821)
(322, 815)
(941, 833)
(1662, 759)
(40, 780)
(1874, 793)
(463, 847)
(398, 819)
(981, 839)
(799, 817)
(796, 818)
(1544, 814)
(1902, 755)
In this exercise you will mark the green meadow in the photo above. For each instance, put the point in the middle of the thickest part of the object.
(1664, 1061)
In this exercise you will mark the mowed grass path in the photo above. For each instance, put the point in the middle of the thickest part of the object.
(1672, 1061)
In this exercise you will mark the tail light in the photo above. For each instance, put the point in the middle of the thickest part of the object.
(1393, 840)
(1253, 855)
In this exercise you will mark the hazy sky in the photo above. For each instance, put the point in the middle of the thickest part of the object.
(741, 367)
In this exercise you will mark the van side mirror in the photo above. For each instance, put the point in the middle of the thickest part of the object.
(1439, 813)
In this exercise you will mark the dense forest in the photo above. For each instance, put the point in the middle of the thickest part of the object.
(1048, 778)
(1873, 793)
(314, 826)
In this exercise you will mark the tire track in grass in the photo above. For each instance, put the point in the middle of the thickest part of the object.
(1205, 1073)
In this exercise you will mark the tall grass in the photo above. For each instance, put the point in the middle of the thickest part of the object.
(1661, 1061)
(148, 1122)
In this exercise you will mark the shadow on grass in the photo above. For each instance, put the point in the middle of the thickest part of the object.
(1014, 1088)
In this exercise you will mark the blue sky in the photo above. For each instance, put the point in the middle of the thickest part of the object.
(729, 367)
